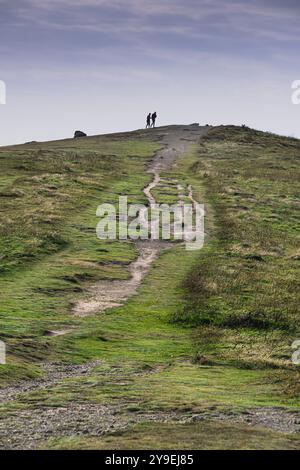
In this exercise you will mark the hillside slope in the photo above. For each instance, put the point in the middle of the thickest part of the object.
(200, 357)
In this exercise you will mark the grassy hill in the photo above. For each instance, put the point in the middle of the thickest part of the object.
(205, 345)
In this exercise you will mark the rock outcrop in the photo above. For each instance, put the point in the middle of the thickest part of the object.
(79, 134)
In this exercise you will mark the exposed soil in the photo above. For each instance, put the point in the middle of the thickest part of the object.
(58, 332)
(31, 428)
(54, 373)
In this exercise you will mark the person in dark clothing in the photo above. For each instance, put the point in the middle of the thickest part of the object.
(148, 121)
(153, 117)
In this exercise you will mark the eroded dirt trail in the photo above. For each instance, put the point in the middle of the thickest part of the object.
(109, 294)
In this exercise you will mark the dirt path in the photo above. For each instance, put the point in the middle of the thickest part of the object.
(54, 373)
(110, 294)
(31, 428)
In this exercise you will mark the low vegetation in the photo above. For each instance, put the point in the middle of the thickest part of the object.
(209, 331)
(49, 194)
(243, 294)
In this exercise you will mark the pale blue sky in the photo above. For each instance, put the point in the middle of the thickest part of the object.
(102, 65)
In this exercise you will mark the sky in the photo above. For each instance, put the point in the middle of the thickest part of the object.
(102, 65)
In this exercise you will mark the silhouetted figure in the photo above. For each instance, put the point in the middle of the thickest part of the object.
(153, 117)
(148, 121)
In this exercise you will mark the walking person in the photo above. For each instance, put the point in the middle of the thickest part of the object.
(153, 117)
(148, 121)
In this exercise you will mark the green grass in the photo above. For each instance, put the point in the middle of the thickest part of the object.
(211, 328)
(243, 295)
(250, 276)
(49, 250)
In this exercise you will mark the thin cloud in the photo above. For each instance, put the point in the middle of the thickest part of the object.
(177, 17)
